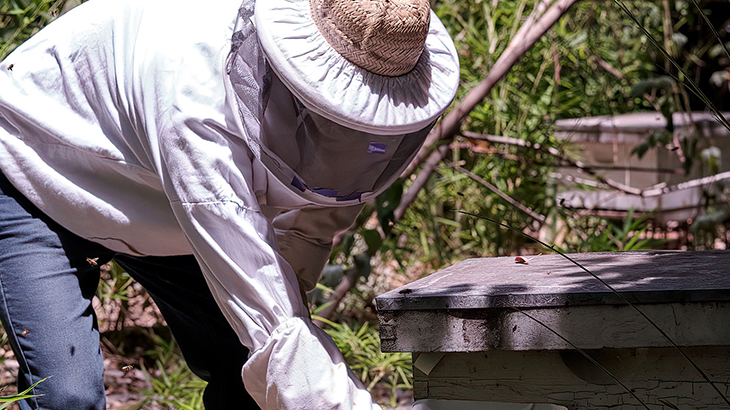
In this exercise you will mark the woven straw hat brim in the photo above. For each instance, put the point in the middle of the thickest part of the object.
(342, 92)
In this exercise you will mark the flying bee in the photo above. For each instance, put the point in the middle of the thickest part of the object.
(25, 332)
(127, 368)
(93, 262)
(10, 67)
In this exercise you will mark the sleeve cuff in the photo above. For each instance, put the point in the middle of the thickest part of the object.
(300, 367)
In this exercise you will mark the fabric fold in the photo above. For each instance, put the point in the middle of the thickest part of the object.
(303, 369)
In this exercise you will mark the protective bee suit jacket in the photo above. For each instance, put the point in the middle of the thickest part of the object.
(121, 122)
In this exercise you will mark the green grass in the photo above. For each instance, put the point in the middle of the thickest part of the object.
(6, 401)
(360, 346)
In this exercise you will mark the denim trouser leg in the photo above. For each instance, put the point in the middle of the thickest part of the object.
(48, 277)
(46, 286)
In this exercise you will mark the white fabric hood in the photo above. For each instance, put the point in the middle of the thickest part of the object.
(377, 123)
(337, 89)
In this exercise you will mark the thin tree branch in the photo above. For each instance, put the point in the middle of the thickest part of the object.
(653, 191)
(673, 171)
(536, 25)
(577, 180)
(575, 163)
(532, 214)
(528, 34)
(684, 185)
(410, 195)
(605, 65)
(609, 68)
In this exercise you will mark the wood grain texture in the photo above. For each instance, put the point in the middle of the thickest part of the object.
(562, 378)
(496, 321)
(588, 327)
(551, 281)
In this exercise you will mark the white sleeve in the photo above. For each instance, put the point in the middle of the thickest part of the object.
(206, 172)
(294, 365)
(293, 361)
(305, 238)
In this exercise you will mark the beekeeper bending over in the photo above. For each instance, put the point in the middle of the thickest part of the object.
(153, 132)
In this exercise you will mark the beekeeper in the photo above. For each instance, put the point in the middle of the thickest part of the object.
(152, 132)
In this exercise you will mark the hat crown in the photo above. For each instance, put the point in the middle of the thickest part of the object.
(384, 37)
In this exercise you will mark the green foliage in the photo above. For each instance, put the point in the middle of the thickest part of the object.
(698, 48)
(585, 66)
(562, 76)
(683, 88)
(630, 235)
(117, 286)
(20, 19)
(171, 382)
(4, 342)
(360, 346)
(6, 401)
(705, 228)
(174, 386)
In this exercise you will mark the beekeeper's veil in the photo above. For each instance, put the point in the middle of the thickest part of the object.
(336, 96)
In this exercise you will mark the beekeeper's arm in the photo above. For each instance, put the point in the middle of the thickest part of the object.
(205, 170)
(294, 364)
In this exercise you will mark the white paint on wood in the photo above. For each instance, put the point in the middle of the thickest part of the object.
(537, 377)
(477, 313)
(430, 404)
(588, 327)
(425, 362)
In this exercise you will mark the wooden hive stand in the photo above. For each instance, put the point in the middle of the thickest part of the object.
(481, 332)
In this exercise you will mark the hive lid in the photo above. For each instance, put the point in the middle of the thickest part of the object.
(552, 281)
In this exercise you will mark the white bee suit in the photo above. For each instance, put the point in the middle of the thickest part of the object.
(121, 122)
(120, 125)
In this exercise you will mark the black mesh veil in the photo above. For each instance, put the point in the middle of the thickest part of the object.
(313, 156)
(249, 75)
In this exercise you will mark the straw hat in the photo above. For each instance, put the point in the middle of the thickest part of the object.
(378, 66)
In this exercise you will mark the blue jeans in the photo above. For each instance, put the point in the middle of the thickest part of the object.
(46, 285)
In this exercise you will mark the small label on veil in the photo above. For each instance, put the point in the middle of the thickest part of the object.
(376, 148)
